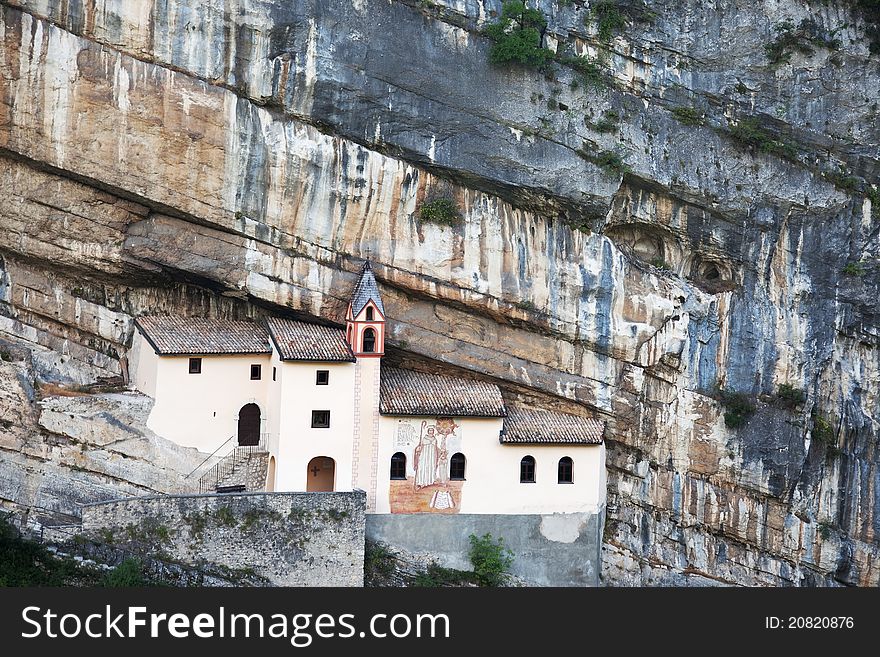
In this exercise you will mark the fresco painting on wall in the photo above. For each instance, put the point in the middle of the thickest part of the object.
(428, 446)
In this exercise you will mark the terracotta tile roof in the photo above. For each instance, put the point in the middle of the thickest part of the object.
(366, 290)
(303, 341)
(528, 426)
(197, 335)
(406, 392)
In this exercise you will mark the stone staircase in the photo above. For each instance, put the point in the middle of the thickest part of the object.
(243, 469)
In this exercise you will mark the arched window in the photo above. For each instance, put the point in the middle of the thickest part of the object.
(369, 313)
(369, 341)
(398, 466)
(527, 470)
(456, 466)
(566, 470)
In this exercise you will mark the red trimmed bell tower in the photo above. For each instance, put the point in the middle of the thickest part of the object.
(365, 317)
(365, 331)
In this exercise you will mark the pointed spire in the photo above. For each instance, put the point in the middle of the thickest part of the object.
(366, 290)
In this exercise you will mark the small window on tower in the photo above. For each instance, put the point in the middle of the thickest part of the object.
(320, 419)
(369, 341)
(369, 313)
(195, 365)
(256, 372)
(322, 378)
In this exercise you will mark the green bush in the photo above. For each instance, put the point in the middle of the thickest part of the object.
(790, 395)
(842, 180)
(436, 576)
(608, 19)
(608, 122)
(378, 560)
(823, 431)
(611, 161)
(442, 211)
(225, 516)
(804, 38)
(854, 269)
(688, 115)
(611, 16)
(590, 72)
(490, 559)
(750, 132)
(660, 263)
(27, 563)
(129, 573)
(517, 36)
(737, 407)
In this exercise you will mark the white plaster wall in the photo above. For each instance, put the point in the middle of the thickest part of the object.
(201, 410)
(492, 472)
(144, 362)
(298, 442)
(273, 399)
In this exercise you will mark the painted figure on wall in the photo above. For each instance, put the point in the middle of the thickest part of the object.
(425, 457)
(428, 450)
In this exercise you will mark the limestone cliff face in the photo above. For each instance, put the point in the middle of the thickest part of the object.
(238, 157)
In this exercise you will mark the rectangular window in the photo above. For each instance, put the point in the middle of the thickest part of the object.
(322, 378)
(274, 372)
(256, 372)
(195, 365)
(320, 419)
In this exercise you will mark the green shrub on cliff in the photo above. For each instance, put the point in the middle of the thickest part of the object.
(490, 558)
(442, 211)
(26, 563)
(790, 395)
(749, 131)
(129, 573)
(517, 36)
(737, 407)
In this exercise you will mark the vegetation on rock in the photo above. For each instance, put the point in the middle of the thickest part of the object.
(608, 123)
(749, 131)
(611, 16)
(490, 558)
(518, 35)
(737, 407)
(790, 395)
(442, 211)
(688, 115)
(611, 161)
(804, 38)
(854, 269)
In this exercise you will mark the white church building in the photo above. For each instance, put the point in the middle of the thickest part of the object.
(318, 404)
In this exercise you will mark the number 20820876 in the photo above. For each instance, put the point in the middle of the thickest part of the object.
(809, 623)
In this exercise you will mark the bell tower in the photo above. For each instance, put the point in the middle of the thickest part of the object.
(365, 317)
(365, 332)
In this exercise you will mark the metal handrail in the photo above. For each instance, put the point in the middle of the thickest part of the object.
(227, 465)
(210, 456)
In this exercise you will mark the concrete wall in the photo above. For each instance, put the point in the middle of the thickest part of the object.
(278, 539)
(549, 550)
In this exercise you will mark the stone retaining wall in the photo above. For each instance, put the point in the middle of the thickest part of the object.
(275, 539)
